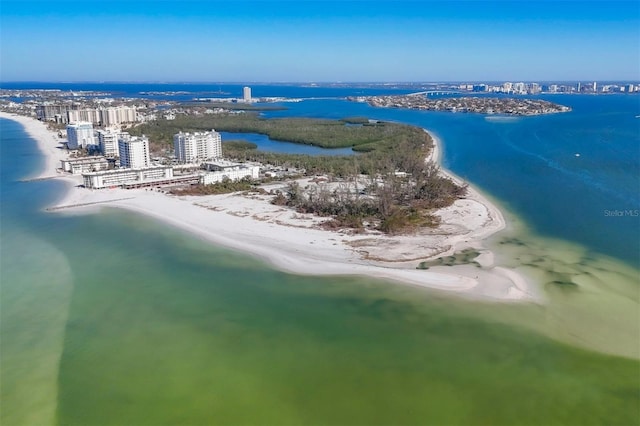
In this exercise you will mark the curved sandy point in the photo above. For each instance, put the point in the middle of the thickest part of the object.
(293, 242)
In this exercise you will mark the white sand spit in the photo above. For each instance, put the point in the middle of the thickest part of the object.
(293, 242)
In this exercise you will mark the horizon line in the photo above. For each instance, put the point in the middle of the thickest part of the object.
(386, 82)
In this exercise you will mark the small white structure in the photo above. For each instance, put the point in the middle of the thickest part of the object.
(78, 166)
(197, 146)
(80, 135)
(119, 177)
(134, 151)
(221, 170)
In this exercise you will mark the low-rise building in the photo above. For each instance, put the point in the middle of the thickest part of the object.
(221, 170)
(120, 177)
(78, 166)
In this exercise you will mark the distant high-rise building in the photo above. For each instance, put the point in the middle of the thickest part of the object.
(57, 113)
(134, 151)
(579, 87)
(595, 86)
(108, 143)
(110, 116)
(534, 88)
(520, 88)
(198, 146)
(89, 115)
(246, 94)
(113, 116)
(80, 135)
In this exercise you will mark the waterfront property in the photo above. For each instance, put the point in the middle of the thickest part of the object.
(134, 151)
(109, 116)
(119, 177)
(108, 143)
(221, 170)
(482, 105)
(81, 165)
(80, 135)
(246, 94)
(197, 146)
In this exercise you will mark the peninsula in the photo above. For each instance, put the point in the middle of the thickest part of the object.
(481, 105)
(296, 240)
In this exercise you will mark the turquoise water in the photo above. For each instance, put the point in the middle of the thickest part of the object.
(115, 319)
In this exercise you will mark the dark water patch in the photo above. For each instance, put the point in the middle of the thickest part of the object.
(464, 257)
(513, 241)
(564, 285)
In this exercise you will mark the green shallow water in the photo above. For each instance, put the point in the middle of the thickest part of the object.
(161, 328)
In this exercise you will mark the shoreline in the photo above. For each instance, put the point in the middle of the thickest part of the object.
(48, 143)
(249, 224)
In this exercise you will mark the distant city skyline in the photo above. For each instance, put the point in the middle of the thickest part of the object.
(319, 41)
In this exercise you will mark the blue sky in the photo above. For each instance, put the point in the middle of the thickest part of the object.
(304, 40)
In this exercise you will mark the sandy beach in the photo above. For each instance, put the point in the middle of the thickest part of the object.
(48, 143)
(293, 242)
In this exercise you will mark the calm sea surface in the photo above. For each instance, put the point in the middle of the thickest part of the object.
(112, 318)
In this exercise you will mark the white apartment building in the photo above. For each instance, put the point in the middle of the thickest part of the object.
(108, 143)
(134, 151)
(110, 116)
(114, 116)
(81, 165)
(197, 146)
(119, 177)
(89, 115)
(221, 170)
(80, 135)
(246, 94)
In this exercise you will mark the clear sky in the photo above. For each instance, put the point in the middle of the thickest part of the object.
(305, 40)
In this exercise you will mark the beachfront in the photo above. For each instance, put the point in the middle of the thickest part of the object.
(294, 243)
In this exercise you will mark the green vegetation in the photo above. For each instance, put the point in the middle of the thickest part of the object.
(356, 120)
(225, 187)
(238, 145)
(395, 204)
(402, 189)
(323, 133)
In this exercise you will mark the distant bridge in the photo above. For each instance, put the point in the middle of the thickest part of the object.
(436, 92)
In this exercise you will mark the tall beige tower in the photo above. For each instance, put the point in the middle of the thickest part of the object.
(246, 94)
